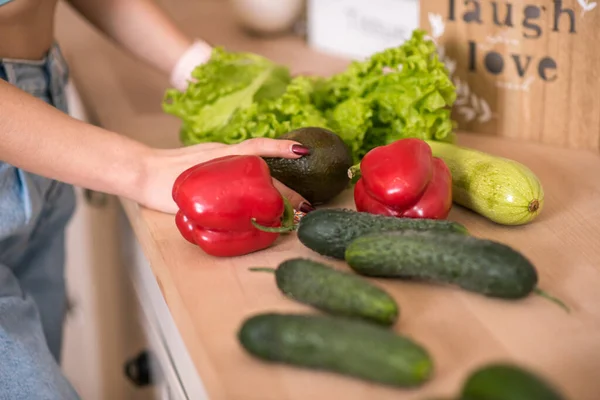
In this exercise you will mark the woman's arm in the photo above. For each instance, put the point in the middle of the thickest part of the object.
(57, 146)
(54, 145)
(141, 27)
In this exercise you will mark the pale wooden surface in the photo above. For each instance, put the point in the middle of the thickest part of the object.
(209, 297)
(560, 112)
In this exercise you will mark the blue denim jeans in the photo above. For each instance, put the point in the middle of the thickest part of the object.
(34, 212)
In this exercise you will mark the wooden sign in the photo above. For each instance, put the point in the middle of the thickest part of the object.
(523, 69)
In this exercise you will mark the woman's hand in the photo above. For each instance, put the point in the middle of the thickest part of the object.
(164, 166)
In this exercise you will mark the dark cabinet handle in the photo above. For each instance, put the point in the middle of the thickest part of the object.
(138, 369)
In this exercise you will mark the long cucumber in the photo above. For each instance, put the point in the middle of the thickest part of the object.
(503, 381)
(329, 231)
(474, 264)
(344, 346)
(333, 291)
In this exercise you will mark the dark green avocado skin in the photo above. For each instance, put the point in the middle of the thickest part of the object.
(320, 176)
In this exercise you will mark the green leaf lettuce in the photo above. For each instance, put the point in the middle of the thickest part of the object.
(400, 92)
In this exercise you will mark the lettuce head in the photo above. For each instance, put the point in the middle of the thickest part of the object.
(401, 92)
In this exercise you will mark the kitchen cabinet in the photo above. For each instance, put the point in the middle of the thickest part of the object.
(99, 323)
(102, 264)
(174, 374)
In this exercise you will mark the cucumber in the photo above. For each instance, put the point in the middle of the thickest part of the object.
(335, 292)
(329, 231)
(477, 265)
(502, 190)
(339, 345)
(507, 382)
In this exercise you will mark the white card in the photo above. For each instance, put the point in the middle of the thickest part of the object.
(359, 28)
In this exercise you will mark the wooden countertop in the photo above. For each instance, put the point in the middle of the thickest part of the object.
(210, 297)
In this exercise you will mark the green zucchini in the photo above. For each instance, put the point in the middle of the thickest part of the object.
(507, 382)
(335, 292)
(477, 265)
(500, 189)
(339, 345)
(329, 231)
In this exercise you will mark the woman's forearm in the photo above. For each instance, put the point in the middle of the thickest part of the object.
(40, 139)
(140, 26)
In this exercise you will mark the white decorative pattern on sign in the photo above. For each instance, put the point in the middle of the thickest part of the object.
(586, 6)
(468, 104)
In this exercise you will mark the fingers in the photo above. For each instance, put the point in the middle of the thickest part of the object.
(263, 147)
(198, 149)
(270, 148)
(204, 147)
(298, 202)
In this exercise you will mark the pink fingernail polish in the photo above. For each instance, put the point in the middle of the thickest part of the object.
(306, 208)
(300, 150)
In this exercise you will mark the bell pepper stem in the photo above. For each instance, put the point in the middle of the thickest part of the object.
(262, 269)
(354, 173)
(288, 214)
(547, 296)
(273, 229)
(287, 221)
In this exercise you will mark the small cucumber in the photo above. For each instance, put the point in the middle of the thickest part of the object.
(335, 292)
(497, 188)
(344, 346)
(329, 231)
(474, 264)
(507, 382)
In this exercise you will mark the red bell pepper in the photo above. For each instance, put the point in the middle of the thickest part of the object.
(220, 201)
(403, 179)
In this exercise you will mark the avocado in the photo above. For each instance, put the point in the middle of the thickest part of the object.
(319, 176)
